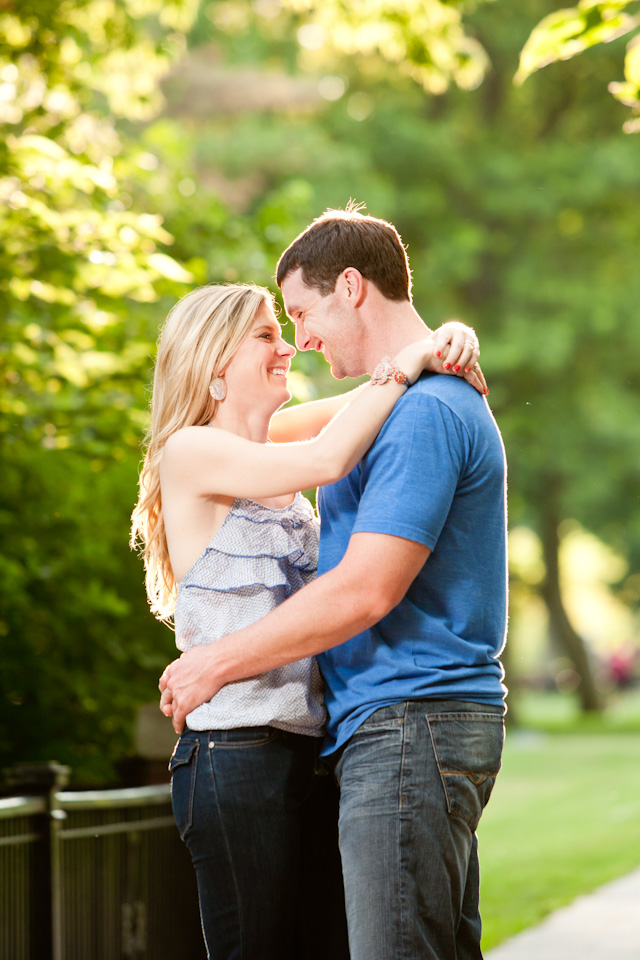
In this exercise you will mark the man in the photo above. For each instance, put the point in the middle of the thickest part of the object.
(415, 697)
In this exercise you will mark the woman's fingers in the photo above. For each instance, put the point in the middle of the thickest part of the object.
(475, 377)
(457, 346)
(166, 702)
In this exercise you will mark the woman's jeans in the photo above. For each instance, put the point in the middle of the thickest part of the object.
(261, 828)
(414, 779)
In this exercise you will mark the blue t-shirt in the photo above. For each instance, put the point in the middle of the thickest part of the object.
(435, 475)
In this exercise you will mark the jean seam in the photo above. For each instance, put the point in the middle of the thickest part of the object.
(194, 777)
(402, 866)
(389, 724)
(436, 755)
(456, 715)
(230, 858)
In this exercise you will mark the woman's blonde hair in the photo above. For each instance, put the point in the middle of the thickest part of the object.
(200, 336)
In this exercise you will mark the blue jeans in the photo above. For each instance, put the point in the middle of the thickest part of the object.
(414, 780)
(261, 827)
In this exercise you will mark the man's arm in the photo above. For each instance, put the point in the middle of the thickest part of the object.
(371, 579)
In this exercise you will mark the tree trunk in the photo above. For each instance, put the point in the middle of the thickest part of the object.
(559, 625)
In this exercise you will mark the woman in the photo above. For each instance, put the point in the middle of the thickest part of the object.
(225, 540)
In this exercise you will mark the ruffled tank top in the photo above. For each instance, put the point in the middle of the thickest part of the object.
(258, 558)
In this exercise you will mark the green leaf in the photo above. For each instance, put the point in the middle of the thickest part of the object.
(566, 33)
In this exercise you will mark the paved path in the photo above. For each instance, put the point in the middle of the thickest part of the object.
(604, 925)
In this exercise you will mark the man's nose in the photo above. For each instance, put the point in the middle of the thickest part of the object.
(302, 337)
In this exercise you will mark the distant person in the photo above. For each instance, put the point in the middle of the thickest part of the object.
(226, 539)
(409, 607)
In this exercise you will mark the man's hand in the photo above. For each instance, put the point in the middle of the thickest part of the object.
(188, 682)
(456, 348)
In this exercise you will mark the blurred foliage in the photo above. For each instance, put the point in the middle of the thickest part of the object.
(79, 266)
(424, 39)
(570, 31)
(150, 146)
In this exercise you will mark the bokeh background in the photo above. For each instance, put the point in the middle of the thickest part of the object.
(151, 146)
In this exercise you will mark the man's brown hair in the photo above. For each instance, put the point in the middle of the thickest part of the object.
(347, 238)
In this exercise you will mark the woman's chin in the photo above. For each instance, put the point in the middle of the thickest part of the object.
(284, 399)
(284, 391)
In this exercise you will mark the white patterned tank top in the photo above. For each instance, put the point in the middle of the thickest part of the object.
(258, 558)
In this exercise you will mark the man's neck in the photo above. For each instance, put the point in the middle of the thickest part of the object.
(395, 326)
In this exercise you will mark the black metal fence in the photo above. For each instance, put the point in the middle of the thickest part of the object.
(93, 875)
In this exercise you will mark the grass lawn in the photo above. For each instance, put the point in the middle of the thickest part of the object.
(564, 816)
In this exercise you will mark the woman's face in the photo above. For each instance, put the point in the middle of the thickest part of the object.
(258, 370)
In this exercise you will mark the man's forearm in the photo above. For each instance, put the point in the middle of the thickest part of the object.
(314, 619)
(323, 615)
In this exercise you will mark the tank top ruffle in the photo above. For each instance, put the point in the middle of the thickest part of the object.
(258, 558)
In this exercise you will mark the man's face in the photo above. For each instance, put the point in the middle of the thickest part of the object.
(326, 324)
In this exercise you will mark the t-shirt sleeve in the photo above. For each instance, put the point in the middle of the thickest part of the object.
(410, 474)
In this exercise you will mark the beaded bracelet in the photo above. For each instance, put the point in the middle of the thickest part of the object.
(386, 370)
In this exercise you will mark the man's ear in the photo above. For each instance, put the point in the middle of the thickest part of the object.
(353, 286)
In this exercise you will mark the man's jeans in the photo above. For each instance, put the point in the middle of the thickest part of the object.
(261, 828)
(414, 780)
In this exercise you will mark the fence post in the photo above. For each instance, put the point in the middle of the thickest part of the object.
(44, 779)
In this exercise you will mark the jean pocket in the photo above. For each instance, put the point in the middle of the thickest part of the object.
(182, 767)
(468, 751)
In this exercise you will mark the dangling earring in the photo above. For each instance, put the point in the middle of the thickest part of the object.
(218, 388)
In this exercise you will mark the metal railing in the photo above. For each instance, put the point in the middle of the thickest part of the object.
(93, 875)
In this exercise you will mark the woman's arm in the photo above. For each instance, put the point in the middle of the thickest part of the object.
(210, 461)
(452, 347)
(306, 420)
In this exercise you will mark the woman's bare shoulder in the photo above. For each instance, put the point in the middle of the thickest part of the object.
(196, 451)
(190, 440)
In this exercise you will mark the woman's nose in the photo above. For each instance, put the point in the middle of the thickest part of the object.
(286, 349)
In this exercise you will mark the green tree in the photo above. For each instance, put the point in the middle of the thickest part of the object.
(80, 265)
(566, 33)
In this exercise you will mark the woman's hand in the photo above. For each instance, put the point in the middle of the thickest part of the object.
(455, 351)
(187, 683)
(456, 345)
(452, 349)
